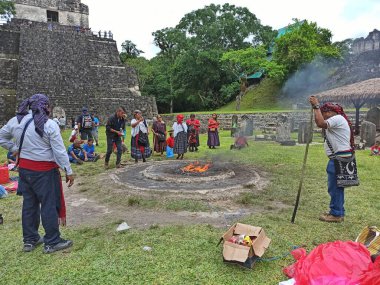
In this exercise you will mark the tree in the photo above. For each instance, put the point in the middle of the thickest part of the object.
(345, 46)
(220, 27)
(199, 77)
(144, 71)
(7, 8)
(129, 50)
(159, 84)
(170, 41)
(251, 60)
(302, 44)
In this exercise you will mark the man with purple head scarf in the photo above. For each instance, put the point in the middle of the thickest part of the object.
(37, 142)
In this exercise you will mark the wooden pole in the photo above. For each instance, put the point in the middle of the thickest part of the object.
(303, 167)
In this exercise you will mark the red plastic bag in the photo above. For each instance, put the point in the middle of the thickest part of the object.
(372, 276)
(334, 263)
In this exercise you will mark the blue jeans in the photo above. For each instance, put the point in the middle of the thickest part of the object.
(336, 193)
(40, 191)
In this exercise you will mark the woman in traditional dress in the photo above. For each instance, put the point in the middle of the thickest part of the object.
(140, 148)
(180, 137)
(193, 123)
(159, 135)
(213, 135)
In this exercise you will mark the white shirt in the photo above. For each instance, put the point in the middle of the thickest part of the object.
(179, 128)
(338, 133)
(62, 121)
(48, 148)
(140, 127)
(74, 133)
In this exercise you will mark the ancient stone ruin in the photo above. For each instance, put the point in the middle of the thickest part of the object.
(48, 47)
(370, 43)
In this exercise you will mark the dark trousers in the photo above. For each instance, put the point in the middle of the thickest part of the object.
(110, 141)
(41, 196)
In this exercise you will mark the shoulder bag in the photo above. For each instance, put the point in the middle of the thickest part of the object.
(345, 169)
(143, 137)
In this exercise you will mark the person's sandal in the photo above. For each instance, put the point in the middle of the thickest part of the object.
(28, 247)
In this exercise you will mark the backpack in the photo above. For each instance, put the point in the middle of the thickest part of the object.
(86, 122)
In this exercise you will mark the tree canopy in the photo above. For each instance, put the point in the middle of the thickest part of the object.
(202, 57)
(7, 8)
(129, 50)
(302, 44)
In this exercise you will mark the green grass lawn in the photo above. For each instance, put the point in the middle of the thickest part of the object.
(189, 254)
(262, 97)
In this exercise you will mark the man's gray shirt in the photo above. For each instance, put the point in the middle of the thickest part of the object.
(48, 148)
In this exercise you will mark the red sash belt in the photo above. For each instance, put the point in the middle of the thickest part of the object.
(46, 166)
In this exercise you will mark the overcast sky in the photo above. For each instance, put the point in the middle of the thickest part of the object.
(136, 20)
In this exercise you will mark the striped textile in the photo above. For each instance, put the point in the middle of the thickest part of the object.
(180, 143)
(136, 149)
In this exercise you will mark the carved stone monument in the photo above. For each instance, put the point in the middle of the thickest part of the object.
(304, 133)
(246, 126)
(234, 126)
(283, 129)
(373, 116)
(368, 133)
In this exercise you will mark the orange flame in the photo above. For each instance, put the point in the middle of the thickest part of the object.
(196, 167)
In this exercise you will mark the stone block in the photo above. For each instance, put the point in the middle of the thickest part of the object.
(373, 116)
(368, 133)
(305, 133)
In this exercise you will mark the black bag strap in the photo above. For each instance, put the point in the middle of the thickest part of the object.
(22, 137)
(329, 145)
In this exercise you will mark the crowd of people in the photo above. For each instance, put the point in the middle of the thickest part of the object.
(182, 136)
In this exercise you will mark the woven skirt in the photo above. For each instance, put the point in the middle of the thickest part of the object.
(180, 143)
(213, 139)
(136, 150)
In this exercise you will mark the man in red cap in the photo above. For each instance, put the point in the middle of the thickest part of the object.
(338, 133)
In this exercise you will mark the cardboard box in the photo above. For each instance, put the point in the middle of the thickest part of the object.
(242, 254)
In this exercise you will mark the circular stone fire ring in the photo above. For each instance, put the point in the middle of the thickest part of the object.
(168, 176)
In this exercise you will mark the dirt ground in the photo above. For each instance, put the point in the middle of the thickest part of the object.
(85, 209)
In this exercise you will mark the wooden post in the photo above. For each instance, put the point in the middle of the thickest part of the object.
(358, 104)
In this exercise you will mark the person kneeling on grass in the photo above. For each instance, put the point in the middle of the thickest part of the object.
(76, 153)
(170, 145)
(375, 149)
(240, 142)
(89, 149)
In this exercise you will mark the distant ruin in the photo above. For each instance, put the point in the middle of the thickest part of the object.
(370, 43)
(49, 48)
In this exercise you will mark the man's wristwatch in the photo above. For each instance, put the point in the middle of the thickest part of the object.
(316, 106)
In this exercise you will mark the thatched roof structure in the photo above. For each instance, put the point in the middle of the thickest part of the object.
(357, 93)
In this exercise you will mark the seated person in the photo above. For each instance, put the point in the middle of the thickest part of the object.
(76, 153)
(11, 159)
(240, 142)
(89, 149)
(170, 145)
(375, 149)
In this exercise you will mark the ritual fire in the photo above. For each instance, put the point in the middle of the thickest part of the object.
(196, 167)
(188, 176)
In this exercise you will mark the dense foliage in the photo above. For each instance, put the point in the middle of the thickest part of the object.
(202, 59)
(7, 8)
